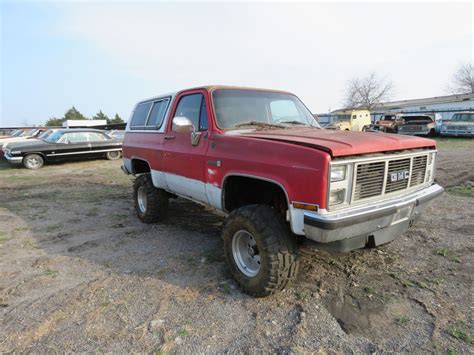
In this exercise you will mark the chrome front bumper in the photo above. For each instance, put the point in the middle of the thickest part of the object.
(13, 160)
(377, 223)
(414, 133)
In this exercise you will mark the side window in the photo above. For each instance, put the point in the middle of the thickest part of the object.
(76, 137)
(191, 107)
(95, 137)
(157, 114)
(354, 116)
(203, 124)
(283, 110)
(140, 115)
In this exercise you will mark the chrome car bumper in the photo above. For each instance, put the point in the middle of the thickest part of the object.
(373, 224)
(414, 133)
(13, 160)
(457, 134)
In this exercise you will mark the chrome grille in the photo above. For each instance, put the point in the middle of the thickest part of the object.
(418, 170)
(397, 167)
(388, 176)
(411, 128)
(369, 180)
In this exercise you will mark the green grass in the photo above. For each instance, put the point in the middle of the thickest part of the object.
(462, 190)
(3, 239)
(444, 142)
(183, 333)
(458, 331)
(402, 320)
(445, 253)
(442, 251)
(51, 273)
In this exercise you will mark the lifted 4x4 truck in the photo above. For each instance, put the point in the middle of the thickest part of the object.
(260, 156)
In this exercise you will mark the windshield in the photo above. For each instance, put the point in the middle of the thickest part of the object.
(45, 134)
(466, 117)
(236, 108)
(341, 117)
(28, 133)
(54, 137)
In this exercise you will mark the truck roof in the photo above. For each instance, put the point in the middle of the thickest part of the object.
(211, 88)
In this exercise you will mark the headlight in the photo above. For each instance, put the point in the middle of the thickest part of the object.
(336, 197)
(338, 173)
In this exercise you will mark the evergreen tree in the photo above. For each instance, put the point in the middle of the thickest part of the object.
(54, 122)
(101, 116)
(116, 119)
(74, 114)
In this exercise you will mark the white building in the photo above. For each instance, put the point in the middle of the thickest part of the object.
(83, 123)
(445, 105)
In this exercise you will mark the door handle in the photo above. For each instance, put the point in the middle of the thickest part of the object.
(168, 137)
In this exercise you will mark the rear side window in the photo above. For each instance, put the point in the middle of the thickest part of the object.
(95, 137)
(157, 114)
(140, 115)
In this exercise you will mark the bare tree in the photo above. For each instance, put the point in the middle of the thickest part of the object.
(367, 91)
(462, 81)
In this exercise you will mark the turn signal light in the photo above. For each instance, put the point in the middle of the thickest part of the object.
(305, 206)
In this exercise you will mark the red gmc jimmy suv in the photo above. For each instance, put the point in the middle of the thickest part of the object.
(261, 157)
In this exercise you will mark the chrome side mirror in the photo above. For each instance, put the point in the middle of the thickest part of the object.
(184, 125)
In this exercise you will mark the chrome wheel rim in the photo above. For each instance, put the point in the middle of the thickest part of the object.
(114, 155)
(245, 252)
(141, 199)
(33, 162)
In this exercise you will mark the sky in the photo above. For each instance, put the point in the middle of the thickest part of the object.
(102, 55)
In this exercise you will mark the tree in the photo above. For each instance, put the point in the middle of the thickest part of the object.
(462, 81)
(116, 119)
(101, 116)
(367, 91)
(54, 122)
(74, 114)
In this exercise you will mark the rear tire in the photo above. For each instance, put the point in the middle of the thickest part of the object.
(151, 203)
(114, 155)
(260, 250)
(33, 161)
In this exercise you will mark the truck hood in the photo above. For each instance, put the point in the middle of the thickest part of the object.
(343, 143)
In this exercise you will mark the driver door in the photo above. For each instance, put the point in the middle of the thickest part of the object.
(183, 162)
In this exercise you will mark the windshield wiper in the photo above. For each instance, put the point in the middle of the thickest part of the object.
(295, 122)
(299, 123)
(257, 123)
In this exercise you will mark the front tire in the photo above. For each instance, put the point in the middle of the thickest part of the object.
(33, 161)
(259, 250)
(151, 203)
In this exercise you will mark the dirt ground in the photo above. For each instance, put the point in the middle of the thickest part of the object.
(79, 272)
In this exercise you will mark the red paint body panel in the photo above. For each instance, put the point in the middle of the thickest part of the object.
(301, 171)
(180, 157)
(296, 159)
(343, 143)
(145, 146)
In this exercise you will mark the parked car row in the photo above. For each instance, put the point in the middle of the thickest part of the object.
(460, 125)
(409, 124)
(55, 145)
(421, 124)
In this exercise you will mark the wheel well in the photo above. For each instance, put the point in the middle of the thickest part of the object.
(240, 191)
(140, 166)
(35, 153)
